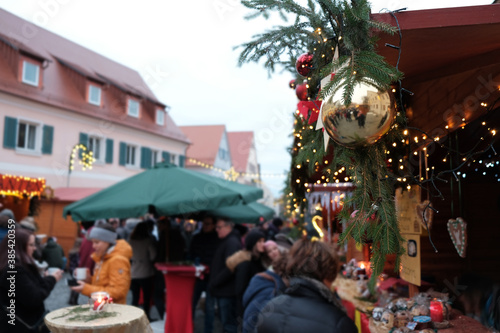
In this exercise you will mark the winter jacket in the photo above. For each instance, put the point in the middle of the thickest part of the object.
(263, 287)
(85, 253)
(244, 267)
(222, 282)
(144, 253)
(203, 246)
(30, 290)
(53, 254)
(112, 272)
(307, 306)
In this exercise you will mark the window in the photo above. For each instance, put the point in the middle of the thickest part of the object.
(173, 158)
(155, 157)
(160, 117)
(96, 146)
(223, 154)
(133, 108)
(94, 95)
(31, 73)
(131, 156)
(26, 137)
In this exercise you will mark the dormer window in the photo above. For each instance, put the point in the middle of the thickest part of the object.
(31, 73)
(133, 108)
(94, 95)
(160, 117)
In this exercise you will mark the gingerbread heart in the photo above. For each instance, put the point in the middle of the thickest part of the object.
(458, 233)
(429, 214)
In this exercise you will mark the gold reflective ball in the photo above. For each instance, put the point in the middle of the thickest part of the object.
(364, 121)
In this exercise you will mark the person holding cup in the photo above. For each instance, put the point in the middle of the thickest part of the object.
(112, 269)
(22, 285)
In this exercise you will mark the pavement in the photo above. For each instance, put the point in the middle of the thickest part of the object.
(60, 295)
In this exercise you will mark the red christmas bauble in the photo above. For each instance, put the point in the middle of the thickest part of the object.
(304, 64)
(291, 84)
(301, 91)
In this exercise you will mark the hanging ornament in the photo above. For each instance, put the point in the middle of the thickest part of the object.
(291, 84)
(301, 91)
(304, 64)
(364, 121)
(458, 233)
(425, 212)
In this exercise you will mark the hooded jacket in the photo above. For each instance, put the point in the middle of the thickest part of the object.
(53, 254)
(307, 306)
(112, 272)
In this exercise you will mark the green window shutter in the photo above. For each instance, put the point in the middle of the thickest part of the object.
(84, 140)
(10, 133)
(109, 151)
(145, 158)
(123, 153)
(48, 138)
(165, 156)
(182, 160)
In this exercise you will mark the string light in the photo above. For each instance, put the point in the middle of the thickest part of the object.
(22, 187)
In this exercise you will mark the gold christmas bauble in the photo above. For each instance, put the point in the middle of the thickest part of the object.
(364, 121)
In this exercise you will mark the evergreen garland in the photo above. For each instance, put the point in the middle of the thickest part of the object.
(319, 28)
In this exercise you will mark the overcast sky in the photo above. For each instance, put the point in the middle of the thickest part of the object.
(184, 51)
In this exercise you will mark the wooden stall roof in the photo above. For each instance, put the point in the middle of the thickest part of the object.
(450, 58)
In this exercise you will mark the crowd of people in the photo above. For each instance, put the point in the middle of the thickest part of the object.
(245, 268)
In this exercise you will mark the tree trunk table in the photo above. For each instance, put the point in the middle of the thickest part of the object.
(130, 319)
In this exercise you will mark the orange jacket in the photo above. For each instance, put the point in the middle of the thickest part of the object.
(112, 273)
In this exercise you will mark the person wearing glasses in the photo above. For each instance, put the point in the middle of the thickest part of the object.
(21, 286)
(222, 281)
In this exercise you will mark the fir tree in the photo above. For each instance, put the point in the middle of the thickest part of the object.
(319, 27)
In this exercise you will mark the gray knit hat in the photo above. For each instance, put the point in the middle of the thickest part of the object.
(102, 234)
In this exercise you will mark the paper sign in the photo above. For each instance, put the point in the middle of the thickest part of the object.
(410, 261)
(406, 203)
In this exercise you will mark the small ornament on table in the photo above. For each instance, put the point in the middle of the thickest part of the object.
(291, 84)
(99, 300)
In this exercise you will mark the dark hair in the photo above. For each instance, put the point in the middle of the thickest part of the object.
(22, 237)
(313, 259)
(277, 222)
(87, 224)
(141, 231)
(227, 221)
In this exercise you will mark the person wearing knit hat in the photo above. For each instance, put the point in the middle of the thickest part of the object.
(112, 269)
(246, 263)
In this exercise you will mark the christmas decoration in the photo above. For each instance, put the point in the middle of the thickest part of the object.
(21, 186)
(291, 84)
(301, 91)
(458, 233)
(363, 122)
(322, 27)
(304, 64)
(425, 214)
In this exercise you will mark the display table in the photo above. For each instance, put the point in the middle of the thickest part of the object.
(130, 319)
(179, 282)
(458, 324)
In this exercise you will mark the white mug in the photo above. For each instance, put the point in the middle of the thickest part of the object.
(80, 273)
(52, 270)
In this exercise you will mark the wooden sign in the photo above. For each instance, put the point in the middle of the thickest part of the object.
(410, 261)
(458, 233)
(406, 203)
